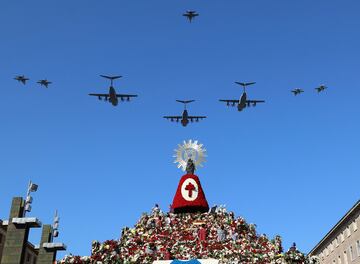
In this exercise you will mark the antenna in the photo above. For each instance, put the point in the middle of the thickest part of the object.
(56, 224)
(28, 201)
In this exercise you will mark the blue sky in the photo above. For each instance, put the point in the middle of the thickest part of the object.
(289, 165)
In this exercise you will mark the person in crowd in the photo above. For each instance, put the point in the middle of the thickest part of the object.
(156, 210)
(221, 233)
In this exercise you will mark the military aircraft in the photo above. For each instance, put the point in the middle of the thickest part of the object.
(190, 15)
(243, 102)
(297, 91)
(112, 96)
(21, 78)
(321, 88)
(185, 117)
(44, 83)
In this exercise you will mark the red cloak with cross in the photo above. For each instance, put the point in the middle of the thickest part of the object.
(189, 196)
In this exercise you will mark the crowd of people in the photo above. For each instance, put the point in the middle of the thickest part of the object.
(217, 234)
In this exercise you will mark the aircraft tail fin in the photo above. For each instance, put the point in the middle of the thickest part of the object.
(111, 77)
(185, 101)
(245, 84)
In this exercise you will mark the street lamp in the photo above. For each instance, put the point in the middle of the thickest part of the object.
(56, 225)
(28, 201)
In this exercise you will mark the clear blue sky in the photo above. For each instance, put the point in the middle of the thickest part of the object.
(291, 165)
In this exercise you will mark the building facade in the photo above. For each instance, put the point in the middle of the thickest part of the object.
(30, 252)
(341, 245)
(14, 233)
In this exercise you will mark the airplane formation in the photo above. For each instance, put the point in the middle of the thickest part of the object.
(23, 80)
(113, 97)
(319, 89)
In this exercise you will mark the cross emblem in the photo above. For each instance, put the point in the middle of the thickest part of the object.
(190, 188)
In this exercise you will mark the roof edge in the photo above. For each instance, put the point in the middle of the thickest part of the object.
(332, 230)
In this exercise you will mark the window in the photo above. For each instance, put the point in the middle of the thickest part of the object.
(28, 258)
(334, 261)
(336, 242)
(358, 247)
(352, 255)
(339, 260)
(354, 225)
(342, 237)
(345, 258)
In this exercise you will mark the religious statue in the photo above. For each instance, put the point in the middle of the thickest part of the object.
(190, 167)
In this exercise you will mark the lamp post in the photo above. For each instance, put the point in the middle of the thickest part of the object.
(55, 226)
(28, 201)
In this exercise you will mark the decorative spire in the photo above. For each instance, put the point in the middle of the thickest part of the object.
(190, 150)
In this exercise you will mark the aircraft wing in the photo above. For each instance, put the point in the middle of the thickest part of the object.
(196, 118)
(106, 96)
(230, 102)
(127, 96)
(254, 102)
(172, 118)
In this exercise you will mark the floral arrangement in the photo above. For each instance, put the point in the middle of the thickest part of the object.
(164, 236)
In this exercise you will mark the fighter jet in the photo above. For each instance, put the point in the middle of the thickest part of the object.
(21, 78)
(297, 91)
(243, 102)
(112, 96)
(185, 117)
(44, 83)
(321, 88)
(190, 15)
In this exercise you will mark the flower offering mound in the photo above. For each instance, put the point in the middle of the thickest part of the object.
(164, 236)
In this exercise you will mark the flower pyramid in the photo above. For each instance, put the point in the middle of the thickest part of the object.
(164, 236)
(190, 231)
